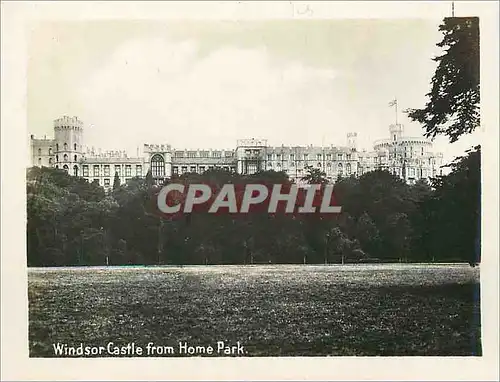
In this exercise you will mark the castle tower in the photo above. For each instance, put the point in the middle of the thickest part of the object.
(396, 132)
(68, 134)
(352, 141)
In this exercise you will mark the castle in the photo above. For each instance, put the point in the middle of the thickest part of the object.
(410, 158)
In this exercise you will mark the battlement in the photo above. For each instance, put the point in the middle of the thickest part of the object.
(150, 148)
(251, 142)
(66, 122)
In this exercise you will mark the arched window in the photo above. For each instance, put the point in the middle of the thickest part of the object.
(65, 168)
(157, 166)
(50, 150)
(40, 161)
(57, 146)
(348, 168)
(74, 146)
(75, 158)
(65, 157)
(75, 170)
(57, 158)
(65, 147)
(39, 151)
(340, 169)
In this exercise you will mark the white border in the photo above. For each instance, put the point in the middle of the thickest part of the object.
(15, 362)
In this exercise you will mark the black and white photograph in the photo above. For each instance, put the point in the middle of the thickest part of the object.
(298, 186)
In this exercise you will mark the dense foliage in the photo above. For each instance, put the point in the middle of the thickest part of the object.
(453, 102)
(72, 222)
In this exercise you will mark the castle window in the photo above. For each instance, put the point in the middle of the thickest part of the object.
(74, 146)
(117, 169)
(85, 170)
(39, 151)
(193, 169)
(65, 147)
(128, 170)
(348, 168)
(106, 182)
(76, 157)
(65, 157)
(66, 168)
(340, 169)
(106, 170)
(348, 156)
(158, 166)
(339, 156)
(138, 170)
(175, 170)
(96, 170)
(75, 170)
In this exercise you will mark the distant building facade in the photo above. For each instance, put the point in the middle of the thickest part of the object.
(410, 158)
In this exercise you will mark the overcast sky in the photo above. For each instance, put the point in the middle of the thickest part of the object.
(207, 84)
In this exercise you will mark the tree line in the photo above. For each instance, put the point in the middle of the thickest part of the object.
(73, 222)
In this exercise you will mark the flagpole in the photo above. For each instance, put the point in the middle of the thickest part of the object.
(396, 104)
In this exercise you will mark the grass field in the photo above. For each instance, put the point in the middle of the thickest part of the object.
(278, 310)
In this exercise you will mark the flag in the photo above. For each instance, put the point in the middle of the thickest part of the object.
(393, 102)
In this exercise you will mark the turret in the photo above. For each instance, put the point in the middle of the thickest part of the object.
(68, 134)
(396, 131)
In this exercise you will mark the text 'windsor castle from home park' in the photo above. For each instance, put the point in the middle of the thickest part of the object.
(410, 158)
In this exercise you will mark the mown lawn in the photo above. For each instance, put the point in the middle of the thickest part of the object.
(276, 310)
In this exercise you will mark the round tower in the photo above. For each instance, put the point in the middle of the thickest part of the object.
(352, 141)
(396, 132)
(68, 135)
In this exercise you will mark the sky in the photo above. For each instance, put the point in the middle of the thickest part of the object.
(205, 84)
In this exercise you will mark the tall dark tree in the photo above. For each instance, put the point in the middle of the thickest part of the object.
(453, 102)
(116, 182)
